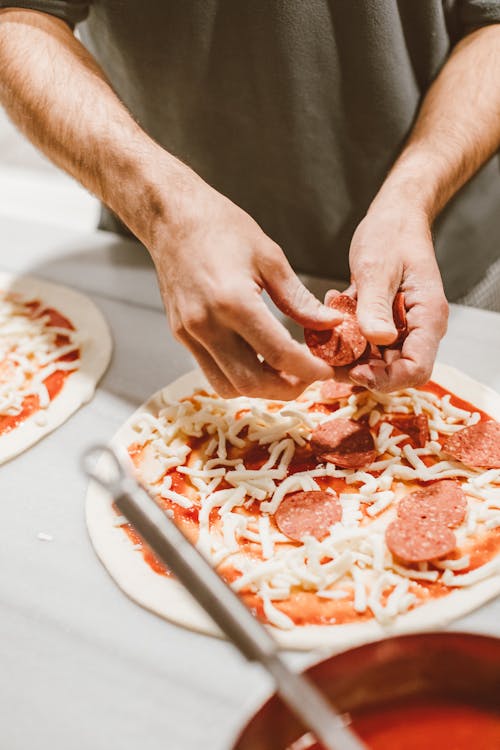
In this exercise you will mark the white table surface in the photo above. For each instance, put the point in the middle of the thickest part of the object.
(81, 666)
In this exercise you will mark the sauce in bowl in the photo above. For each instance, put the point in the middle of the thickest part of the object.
(425, 724)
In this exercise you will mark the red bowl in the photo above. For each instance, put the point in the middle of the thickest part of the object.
(458, 666)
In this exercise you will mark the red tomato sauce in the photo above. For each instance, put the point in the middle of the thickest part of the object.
(428, 724)
(439, 391)
(53, 383)
(55, 318)
(148, 555)
(8, 422)
(303, 607)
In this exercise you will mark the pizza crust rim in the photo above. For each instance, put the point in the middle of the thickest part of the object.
(95, 355)
(168, 598)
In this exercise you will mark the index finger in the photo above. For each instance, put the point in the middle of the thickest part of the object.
(414, 364)
(269, 338)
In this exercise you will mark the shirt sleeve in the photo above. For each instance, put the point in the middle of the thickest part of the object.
(475, 13)
(71, 11)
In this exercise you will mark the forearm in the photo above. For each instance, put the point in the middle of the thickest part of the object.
(212, 259)
(59, 97)
(456, 131)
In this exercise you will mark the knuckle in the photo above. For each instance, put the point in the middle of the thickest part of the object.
(366, 266)
(196, 320)
(271, 251)
(223, 388)
(443, 312)
(226, 302)
(178, 331)
(247, 385)
(301, 298)
(379, 307)
(271, 258)
(278, 359)
(421, 373)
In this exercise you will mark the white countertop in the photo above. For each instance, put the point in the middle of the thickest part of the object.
(81, 666)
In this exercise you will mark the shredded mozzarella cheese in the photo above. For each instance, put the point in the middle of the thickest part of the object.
(353, 556)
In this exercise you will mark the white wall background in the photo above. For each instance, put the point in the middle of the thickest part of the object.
(33, 188)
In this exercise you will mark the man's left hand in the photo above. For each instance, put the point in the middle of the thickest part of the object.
(392, 251)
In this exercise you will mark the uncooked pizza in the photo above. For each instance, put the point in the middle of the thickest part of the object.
(342, 516)
(54, 346)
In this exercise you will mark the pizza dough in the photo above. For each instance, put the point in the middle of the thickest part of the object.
(95, 347)
(166, 597)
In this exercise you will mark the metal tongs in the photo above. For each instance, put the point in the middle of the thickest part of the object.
(223, 605)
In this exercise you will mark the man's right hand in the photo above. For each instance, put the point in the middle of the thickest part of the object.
(212, 259)
(212, 268)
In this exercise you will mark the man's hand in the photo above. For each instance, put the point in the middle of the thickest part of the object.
(392, 250)
(456, 131)
(212, 258)
(212, 271)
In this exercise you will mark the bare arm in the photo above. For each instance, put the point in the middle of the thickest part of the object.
(212, 259)
(457, 130)
(59, 97)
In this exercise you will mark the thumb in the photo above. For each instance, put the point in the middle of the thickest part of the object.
(374, 309)
(295, 300)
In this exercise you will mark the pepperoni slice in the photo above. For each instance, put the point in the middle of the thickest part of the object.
(343, 442)
(399, 316)
(332, 390)
(419, 540)
(343, 344)
(415, 426)
(477, 445)
(442, 502)
(302, 513)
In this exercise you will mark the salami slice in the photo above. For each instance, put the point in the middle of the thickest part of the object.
(343, 344)
(477, 445)
(303, 513)
(443, 502)
(413, 425)
(343, 442)
(414, 541)
(332, 390)
(399, 316)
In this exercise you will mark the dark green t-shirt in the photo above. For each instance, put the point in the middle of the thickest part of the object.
(295, 109)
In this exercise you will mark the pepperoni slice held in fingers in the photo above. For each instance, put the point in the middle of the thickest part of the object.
(477, 445)
(415, 541)
(399, 317)
(343, 442)
(308, 513)
(413, 425)
(345, 343)
(441, 503)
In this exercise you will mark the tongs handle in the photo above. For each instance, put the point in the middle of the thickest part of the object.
(222, 604)
(188, 565)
